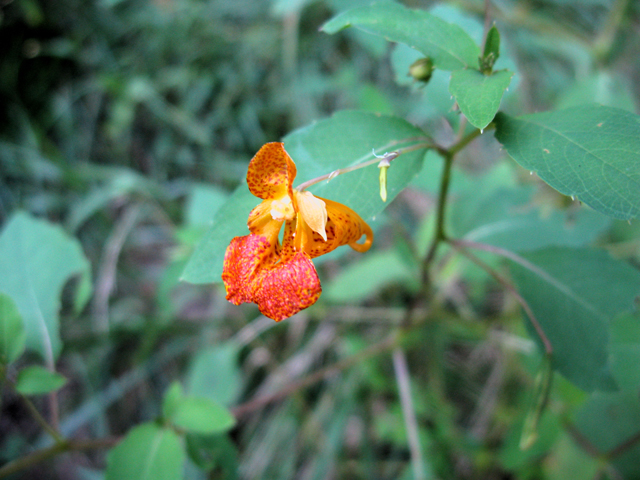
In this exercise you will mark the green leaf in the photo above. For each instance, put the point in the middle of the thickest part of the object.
(361, 279)
(202, 204)
(448, 45)
(347, 138)
(214, 374)
(195, 414)
(607, 421)
(505, 218)
(214, 451)
(588, 152)
(479, 95)
(373, 99)
(36, 260)
(12, 334)
(625, 351)
(148, 452)
(200, 415)
(172, 399)
(205, 265)
(574, 294)
(37, 380)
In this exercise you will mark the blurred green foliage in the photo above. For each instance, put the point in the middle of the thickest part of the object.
(125, 126)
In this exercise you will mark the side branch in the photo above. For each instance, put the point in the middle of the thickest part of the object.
(362, 163)
(461, 247)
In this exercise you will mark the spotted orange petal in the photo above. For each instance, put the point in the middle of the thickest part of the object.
(343, 227)
(260, 220)
(271, 172)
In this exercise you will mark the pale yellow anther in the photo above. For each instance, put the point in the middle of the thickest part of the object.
(282, 209)
(313, 211)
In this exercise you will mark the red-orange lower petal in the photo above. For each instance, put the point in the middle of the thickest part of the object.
(242, 263)
(251, 274)
(288, 287)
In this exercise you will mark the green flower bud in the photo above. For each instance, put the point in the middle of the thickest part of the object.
(421, 69)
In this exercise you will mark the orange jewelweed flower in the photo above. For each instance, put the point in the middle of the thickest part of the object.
(281, 279)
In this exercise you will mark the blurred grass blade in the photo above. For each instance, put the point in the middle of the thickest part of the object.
(541, 390)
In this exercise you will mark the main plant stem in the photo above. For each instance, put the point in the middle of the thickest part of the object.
(439, 234)
(445, 180)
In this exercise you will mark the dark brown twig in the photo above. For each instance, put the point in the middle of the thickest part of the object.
(259, 402)
(44, 454)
